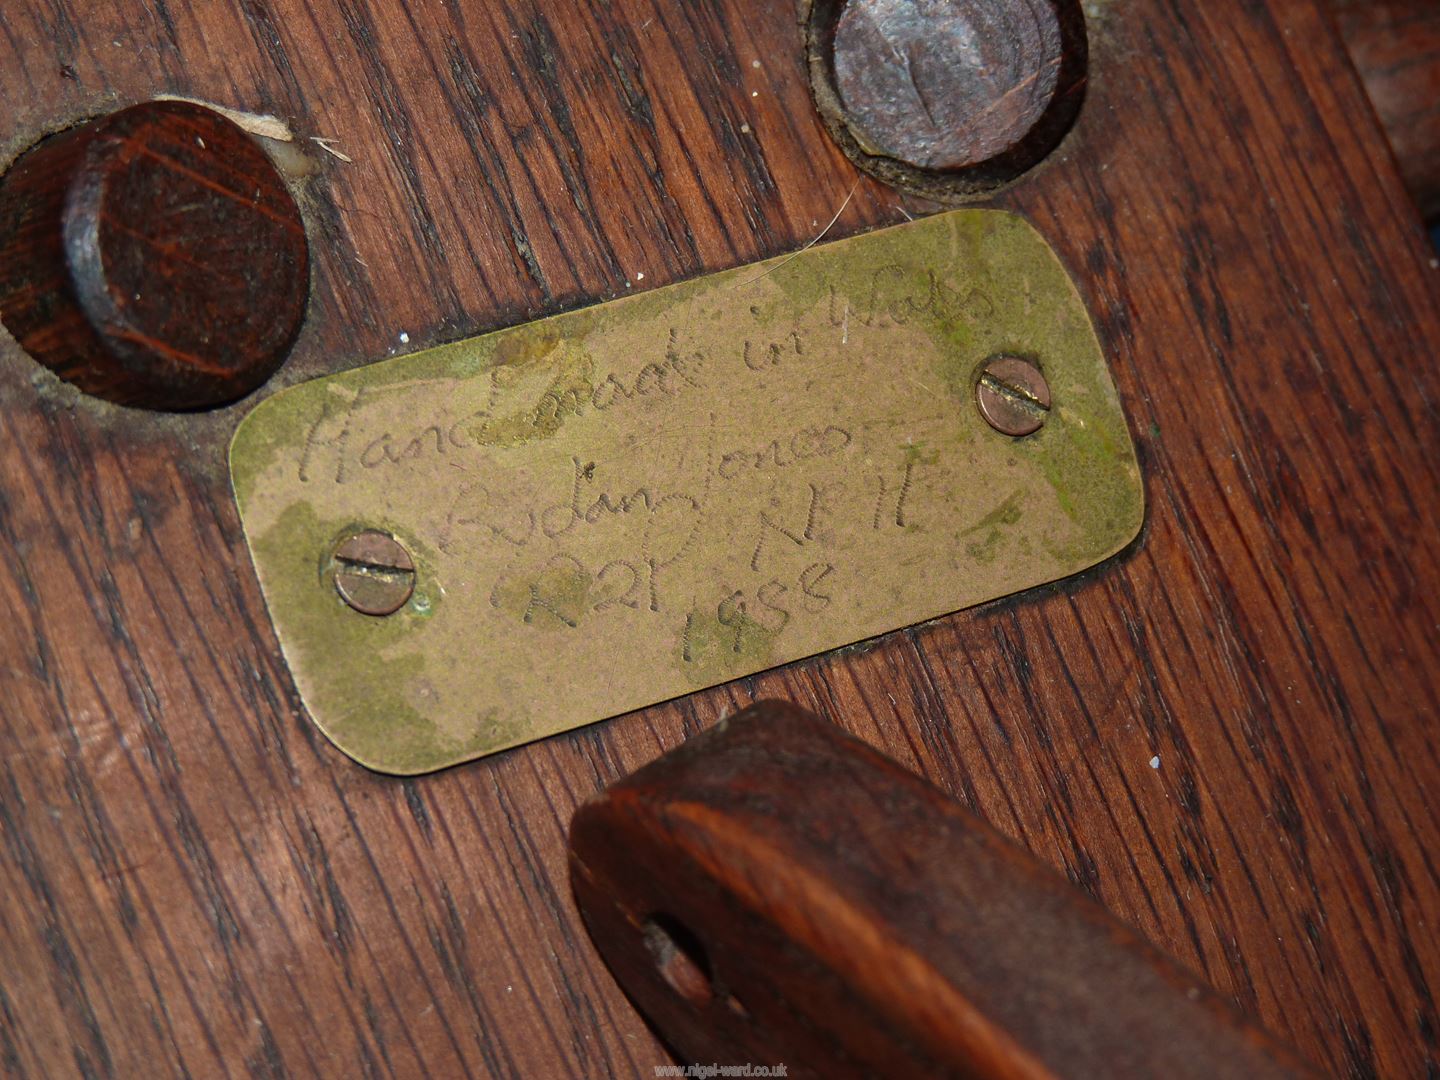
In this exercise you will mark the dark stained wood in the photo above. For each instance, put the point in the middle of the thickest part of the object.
(1396, 47)
(195, 881)
(833, 912)
(153, 257)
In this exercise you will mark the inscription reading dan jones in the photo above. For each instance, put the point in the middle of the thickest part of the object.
(619, 505)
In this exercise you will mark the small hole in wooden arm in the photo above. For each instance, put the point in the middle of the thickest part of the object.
(680, 957)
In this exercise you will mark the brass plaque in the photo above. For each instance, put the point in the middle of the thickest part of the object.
(619, 505)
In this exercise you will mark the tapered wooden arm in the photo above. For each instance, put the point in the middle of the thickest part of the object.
(775, 891)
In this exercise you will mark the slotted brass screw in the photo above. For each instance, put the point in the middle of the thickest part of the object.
(1013, 396)
(374, 573)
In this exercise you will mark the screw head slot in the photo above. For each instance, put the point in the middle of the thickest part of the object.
(373, 573)
(1013, 396)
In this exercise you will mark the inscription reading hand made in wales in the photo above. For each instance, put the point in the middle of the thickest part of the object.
(620, 504)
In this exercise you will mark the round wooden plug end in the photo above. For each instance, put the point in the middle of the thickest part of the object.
(153, 257)
(950, 99)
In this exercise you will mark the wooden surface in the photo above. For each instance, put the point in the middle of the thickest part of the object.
(776, 890)
(194, 881)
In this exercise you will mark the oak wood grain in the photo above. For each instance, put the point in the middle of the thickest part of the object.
(194, 882)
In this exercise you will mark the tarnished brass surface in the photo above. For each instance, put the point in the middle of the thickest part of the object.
(622, 504)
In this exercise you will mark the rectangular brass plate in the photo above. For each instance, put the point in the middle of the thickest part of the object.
(619, 505)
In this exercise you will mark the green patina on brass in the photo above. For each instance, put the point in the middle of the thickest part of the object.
(619, 505)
